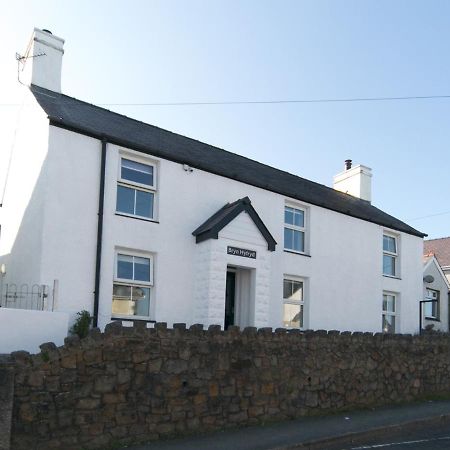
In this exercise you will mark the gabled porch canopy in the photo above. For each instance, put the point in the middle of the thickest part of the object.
(211, 227)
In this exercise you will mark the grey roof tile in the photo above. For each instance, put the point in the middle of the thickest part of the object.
(91, 120)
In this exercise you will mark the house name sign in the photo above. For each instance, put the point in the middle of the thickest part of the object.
(241, 252)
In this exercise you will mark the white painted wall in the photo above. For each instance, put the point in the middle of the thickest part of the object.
(70, 218)
(24, 201)
(25, 330)
(344, 272)
(344, 282)
(446, 271)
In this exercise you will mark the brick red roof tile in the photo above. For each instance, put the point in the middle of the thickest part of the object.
(439, 248)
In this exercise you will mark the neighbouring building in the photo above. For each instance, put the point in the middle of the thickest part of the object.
(138, 223)
(440, 248)
(435, 308)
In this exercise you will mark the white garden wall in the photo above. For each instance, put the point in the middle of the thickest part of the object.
(22, 329)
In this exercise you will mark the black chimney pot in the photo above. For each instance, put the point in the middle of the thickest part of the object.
(348, 164)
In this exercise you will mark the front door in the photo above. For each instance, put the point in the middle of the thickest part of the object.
(230, 296)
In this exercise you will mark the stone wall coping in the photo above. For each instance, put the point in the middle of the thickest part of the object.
(49, 351)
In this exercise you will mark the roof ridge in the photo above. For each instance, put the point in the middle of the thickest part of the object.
(437, 239)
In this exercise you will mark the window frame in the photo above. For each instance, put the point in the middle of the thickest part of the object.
(128, 282)
(296, 227)
(395, 255)
(433, 305)
(394, 313)
(136, 186)
(300, 303)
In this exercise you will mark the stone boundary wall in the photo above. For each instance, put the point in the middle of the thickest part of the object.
(6, 403)
(130, 385)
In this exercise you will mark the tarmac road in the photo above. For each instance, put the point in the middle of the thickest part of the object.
(425, 437)
(387, 428)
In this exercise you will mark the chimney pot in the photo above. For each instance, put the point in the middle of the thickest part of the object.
(348, 164)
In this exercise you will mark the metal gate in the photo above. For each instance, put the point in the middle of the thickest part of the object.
(28, 296)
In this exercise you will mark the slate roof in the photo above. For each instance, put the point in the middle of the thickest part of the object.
(439, 248)
(211, 227)
(91, 120)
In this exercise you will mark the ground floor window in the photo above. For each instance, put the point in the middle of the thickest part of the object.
(432, 307)
(389, 316)
(133, 284)
(293, 303)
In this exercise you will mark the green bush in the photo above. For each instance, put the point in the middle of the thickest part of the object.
(82, 324)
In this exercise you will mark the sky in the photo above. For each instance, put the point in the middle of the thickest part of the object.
(175, 51)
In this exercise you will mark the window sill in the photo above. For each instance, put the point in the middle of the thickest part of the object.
(133, 319)
(433, 319)
(297, 253)
(136, 217)
(392, 277)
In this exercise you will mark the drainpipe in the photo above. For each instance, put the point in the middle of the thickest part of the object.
(98, 260)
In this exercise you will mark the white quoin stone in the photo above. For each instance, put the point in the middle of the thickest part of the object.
(356, 181)
(42, 61)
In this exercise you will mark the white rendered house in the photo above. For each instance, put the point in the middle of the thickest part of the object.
(435, 303)
(138, 223)
(440, 249)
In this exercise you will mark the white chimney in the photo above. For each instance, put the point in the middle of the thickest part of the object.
(356, 181)
(42, 62)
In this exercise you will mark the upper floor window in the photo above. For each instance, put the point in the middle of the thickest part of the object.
(294, 229)
(293, 303)
(136, 189)
(432, 304)
(133, 281)
(390, 255)
(389, 314)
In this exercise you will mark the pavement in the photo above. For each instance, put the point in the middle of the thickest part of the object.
(326, 432)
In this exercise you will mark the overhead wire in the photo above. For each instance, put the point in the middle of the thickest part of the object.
(262, 102)
(11, 151)
(272, 102)
(429, 215)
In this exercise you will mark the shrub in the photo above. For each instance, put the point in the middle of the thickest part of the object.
(82, 324)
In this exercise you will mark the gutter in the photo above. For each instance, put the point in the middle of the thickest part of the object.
(98, 258)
